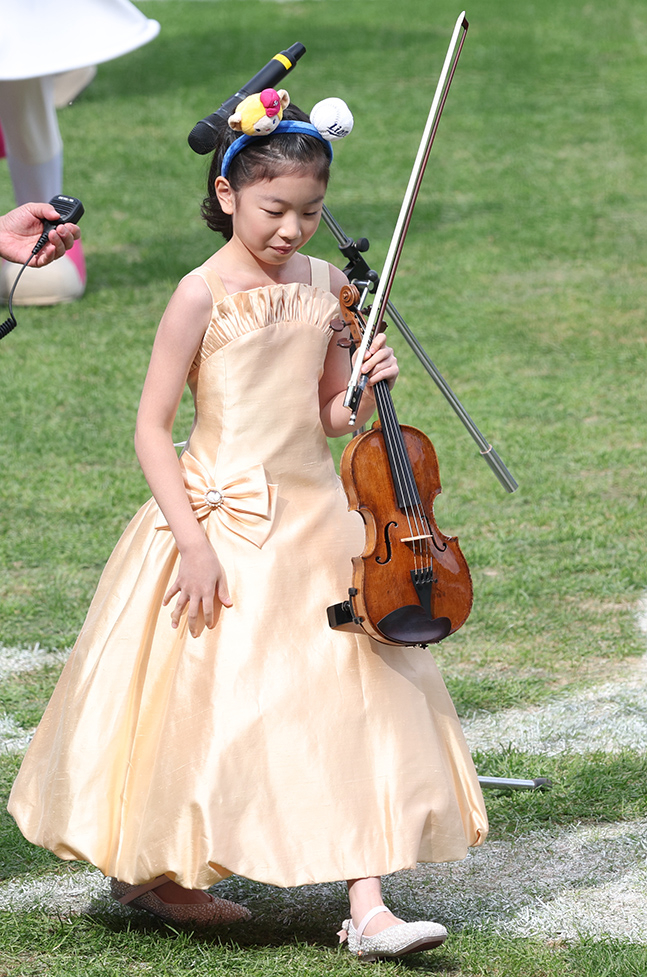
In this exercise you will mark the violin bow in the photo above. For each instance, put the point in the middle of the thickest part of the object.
(381, 302)
(357, 381)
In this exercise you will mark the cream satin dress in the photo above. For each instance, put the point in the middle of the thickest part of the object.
(272, 746)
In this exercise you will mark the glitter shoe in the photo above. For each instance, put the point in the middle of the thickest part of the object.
(394, 941)
(213, 913)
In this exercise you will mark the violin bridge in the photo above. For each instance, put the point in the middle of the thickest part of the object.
(416, 539)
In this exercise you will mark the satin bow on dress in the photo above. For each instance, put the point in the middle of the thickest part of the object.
(245, 503)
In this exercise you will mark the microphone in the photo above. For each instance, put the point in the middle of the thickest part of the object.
(203, 136)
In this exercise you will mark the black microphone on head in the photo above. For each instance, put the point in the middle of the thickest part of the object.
(203, 136)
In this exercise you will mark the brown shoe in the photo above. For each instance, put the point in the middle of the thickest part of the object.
(212, 913)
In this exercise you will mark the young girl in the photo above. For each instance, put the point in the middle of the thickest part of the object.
(209, 721)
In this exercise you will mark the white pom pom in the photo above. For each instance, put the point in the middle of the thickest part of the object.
(332, 118)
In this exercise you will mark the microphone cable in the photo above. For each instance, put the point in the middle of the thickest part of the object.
(10, 323)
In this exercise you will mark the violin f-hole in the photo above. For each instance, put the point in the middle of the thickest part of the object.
(441, 549)
(387, 543)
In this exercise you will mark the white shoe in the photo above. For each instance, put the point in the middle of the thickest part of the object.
(394, 941)
(69, 85)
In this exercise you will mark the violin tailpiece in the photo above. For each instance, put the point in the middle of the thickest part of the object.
(422, 580)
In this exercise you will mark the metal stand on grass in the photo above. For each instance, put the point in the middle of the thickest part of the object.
(539, 783)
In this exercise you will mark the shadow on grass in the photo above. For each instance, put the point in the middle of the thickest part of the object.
(261, 933)
(308, 914)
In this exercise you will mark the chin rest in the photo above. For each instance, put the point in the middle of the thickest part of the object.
(411, 625)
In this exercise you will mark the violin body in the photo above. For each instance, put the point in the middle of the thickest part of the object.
(411, 585)
(384, 598)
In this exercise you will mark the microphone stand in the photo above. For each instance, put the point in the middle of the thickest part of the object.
(365, 278)
(359, 273)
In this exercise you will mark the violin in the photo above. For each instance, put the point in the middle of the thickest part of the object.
(412, 584)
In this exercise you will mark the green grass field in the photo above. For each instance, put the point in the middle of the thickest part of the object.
(523, 276)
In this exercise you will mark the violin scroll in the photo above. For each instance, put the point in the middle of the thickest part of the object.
(349, 305)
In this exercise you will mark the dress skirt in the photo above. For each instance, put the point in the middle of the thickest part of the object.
(271, 746)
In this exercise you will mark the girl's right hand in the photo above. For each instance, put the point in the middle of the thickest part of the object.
(200, 580)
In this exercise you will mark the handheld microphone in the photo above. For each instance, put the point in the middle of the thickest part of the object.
(203, 136)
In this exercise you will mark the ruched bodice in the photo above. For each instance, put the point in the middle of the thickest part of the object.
(271, 746)
(235, 378)
(246, 312)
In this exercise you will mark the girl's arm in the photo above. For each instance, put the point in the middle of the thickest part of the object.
(180, 332)
(380, 364)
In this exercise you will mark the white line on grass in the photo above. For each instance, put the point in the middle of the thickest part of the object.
(13, 738)
(26, 659)
(608, 717)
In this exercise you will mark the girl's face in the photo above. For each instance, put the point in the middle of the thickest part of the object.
(273, 219)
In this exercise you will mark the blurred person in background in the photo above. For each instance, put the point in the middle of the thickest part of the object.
(49, 50)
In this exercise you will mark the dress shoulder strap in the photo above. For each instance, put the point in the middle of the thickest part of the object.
(212, 280)
(319, 273)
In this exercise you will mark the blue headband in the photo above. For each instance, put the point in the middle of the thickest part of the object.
(291, 125)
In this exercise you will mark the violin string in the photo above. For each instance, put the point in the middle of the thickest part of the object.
(390, 433)
(385, 412)
(420, 543)
(403, 477)
(423, 546)
(403, 473)
(410, 492)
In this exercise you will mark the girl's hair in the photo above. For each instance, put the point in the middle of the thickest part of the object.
(264, 159)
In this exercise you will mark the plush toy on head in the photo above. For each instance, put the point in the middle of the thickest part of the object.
(332, 118)
(259, 115)
(262, 114)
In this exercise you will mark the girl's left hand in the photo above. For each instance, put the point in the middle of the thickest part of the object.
(380, 362)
